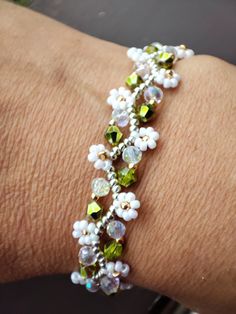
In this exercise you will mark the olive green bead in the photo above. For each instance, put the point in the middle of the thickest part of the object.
(113, 135)
(126, 176)
(146, 112)
(112, 250)
(165, 60)
(133, 80)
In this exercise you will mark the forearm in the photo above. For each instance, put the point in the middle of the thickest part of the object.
(54, 82)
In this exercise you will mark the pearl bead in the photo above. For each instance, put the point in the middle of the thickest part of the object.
(110, 267)
(125, 270)
(75, 277)
(118, 266)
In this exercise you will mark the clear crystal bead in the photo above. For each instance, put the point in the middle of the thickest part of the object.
(87, 256)
(132, 155)
(100, 187)
(109, 285)
(116, 229)
(91, 285)
(121, 117)
(143, 70)
(153, 93)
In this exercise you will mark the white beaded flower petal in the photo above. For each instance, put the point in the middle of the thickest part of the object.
(98, 155)
(76, 278)
(183, 52)
(112, 268)
(145, 138)
(120, 99)
(126, 206)
(137, 55)
(84, 231)
(167, 78)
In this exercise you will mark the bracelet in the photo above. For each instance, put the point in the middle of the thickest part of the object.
(101, 234)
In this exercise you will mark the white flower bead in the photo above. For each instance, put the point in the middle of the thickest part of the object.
(138, 55)
(76, 278)
(85, 232)
(145, 138)
(126, 206)
(110, 268)
(98, 155)
(125, 270)
(134, 54)
(167, 78)
(183, 52)
(120, 99)
(117, 267)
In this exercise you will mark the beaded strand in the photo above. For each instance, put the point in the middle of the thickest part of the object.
(101, 234)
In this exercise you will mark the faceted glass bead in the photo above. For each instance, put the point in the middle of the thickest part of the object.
(116, 229)
(100, 187)
(86, 256)
(143, 70)
(165, 60)
(109, 285)
(91, 285)
(171, 49)
(151, 49)
(94, 210)
(113, 135)
(121, 117)
(157, 45)
(112, 250)
(83, 272)
(126, 176)
(146, 112)
(132, 155)
(153, 94)
(133, 80)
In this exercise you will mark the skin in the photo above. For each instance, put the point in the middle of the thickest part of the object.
(53, 86)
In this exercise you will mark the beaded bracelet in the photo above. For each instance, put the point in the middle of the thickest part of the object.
(101, 234)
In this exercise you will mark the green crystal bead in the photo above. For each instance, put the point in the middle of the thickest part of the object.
(146, 112)
(151, 49)
(112, 250)
(133, 80)
(113, 135)
(94, 210)
(126, 176)
(165, 60)
(83, 272)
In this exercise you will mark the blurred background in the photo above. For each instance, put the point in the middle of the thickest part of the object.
(208, 27)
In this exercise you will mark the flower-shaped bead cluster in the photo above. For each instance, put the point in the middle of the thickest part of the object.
(76, 278)
(98, 154)
(85, 232)
(167, 78)
(126, 206)
(118, 267)
(145, 138)
(120, 99)
(138, 55)
(183, 52)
